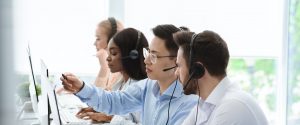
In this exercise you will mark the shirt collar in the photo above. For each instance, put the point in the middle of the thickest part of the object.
(130, 81)
(168, 92)
(219, 91)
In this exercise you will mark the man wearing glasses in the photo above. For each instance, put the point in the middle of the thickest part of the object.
(160, 97)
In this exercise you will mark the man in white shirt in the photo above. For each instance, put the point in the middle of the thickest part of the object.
(202, 60)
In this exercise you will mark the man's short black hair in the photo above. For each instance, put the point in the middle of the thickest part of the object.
(165, 32)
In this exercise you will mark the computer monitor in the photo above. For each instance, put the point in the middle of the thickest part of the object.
(33, 92)
(33, 96)
(26, 111)
(44, 107)
(63, 116)
(54, 107)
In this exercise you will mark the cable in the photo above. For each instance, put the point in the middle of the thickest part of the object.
(188, 82)
(198, 102)
(171, 100)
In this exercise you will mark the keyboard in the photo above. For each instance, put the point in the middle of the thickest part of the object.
(120, 120)
(69, 118)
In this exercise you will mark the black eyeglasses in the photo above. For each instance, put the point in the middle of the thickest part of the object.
(153, 57)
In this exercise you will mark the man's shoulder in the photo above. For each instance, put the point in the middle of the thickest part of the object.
(239, 108)
(236, 102)
(238, 97)
(192, 98)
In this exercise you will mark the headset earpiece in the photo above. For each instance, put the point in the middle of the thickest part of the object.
(197, 70)
(133, 54)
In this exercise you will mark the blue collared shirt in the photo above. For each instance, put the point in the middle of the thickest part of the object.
(142, 96)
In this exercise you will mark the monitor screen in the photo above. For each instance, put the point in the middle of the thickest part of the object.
(33, 78)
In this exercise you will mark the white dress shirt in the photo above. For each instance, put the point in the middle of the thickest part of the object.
(227, 105)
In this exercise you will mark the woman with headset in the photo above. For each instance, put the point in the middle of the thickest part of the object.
(106, 29)
(105, 79)
(123, 57)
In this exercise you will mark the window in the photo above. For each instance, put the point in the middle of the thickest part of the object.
(293, 91)
(258, 76)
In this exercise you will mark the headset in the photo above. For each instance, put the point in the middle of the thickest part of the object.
(196, 70)
(134, 54)
(113, 25)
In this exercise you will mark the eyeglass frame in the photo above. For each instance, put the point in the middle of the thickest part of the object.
(153, 58)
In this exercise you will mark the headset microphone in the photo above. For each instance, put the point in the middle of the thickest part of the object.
(188, 82)
(167, 69)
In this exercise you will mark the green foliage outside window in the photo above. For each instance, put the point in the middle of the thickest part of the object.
(256, 76)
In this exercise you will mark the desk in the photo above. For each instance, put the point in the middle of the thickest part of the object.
(28, 118)
(66, 103)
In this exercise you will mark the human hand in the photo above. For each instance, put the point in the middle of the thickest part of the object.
(89, 113)
(102, 55)
(82, 112)
(71, 83)
(99, 117)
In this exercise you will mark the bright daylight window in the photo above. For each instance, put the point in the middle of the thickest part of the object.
(294, 67)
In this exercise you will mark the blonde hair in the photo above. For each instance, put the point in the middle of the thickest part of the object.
(106, 25)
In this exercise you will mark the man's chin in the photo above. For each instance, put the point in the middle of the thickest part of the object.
(152, 76)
